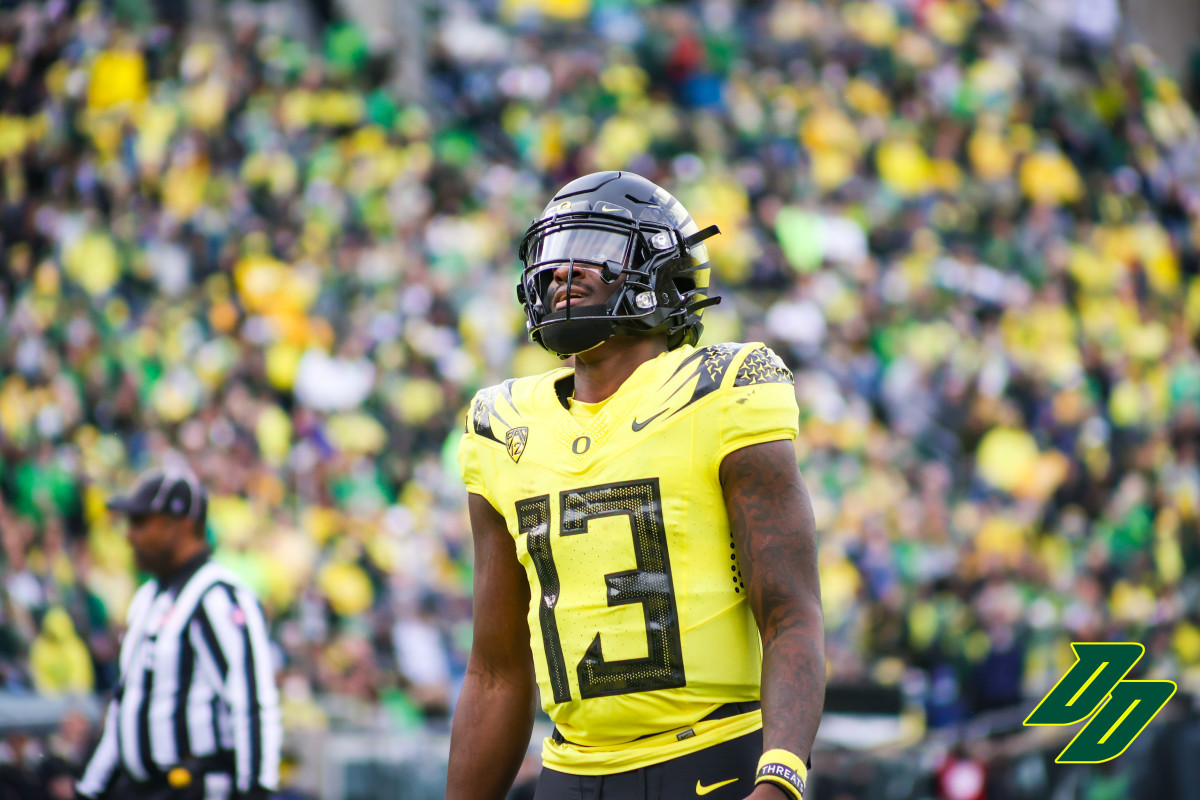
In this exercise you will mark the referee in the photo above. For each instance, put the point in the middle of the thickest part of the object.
(195, 715)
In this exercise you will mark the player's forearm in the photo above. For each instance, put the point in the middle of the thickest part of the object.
(492, 724)
(793, 679)
(772, 521)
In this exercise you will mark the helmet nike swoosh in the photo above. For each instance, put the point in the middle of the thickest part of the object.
(637, 426)
(703, 790)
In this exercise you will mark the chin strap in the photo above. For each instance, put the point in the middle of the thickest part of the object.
(705, 303)
(699, 236)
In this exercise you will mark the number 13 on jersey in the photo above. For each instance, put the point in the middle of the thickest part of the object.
(648, 583)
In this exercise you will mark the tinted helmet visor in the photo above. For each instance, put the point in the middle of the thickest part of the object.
(585, 246)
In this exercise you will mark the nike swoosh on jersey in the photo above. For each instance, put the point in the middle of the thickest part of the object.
(637, 426)
(703, 790)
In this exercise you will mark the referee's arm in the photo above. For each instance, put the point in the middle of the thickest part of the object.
(101, 769)
(235, 633)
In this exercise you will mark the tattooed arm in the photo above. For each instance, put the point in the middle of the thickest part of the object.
(773, 527)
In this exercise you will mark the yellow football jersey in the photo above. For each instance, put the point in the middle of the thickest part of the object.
(639, 620)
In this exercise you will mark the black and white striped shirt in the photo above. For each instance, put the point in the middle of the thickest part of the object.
(196, 681)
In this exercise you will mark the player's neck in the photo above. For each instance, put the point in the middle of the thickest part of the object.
(600, 371)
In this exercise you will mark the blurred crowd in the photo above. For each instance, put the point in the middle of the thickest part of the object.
(972, 228)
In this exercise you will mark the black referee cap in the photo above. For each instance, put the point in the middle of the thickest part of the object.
(178, 494)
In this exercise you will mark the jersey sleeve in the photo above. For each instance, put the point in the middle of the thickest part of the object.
(470, 458)
(760, 402)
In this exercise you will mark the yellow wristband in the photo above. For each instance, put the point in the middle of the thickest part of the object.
(784, 769)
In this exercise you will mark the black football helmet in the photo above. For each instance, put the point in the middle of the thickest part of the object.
(617, 223)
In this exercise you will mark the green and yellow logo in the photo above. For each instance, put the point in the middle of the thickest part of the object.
(1095, 687)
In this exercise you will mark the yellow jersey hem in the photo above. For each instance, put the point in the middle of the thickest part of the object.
(606, 760)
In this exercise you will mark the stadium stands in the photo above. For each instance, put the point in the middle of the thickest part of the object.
(979, 249)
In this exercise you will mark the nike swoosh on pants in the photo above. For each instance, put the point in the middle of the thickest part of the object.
(703, 790)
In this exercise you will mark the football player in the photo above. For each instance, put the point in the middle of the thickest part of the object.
(645, 552)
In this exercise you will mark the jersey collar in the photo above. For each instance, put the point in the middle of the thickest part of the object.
(623, 401)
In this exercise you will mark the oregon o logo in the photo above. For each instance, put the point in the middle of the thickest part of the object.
(581, 445)
(1097, 681)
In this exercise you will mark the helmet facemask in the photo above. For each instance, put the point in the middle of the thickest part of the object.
(658, 295)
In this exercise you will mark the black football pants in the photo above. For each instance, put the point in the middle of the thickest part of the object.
(724, 771)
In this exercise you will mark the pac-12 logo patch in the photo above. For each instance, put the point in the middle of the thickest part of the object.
(516, 438)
